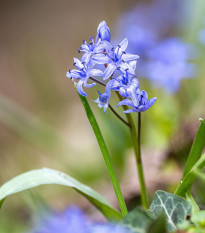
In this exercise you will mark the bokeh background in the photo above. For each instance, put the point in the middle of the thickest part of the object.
(42, 121)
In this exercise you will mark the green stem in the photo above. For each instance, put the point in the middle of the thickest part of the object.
(105, 154)
(137, 149)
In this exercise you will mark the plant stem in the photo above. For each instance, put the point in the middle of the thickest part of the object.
(136, 140)
(111, 108)
(97, 81)
(105, 154)
(116, 114)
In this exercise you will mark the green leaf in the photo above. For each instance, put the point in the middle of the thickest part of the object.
(138, 220)
(188, 180)
(105, 153)
(158, 225)
(173, 207)
(197, 148)
(198, 218)
(42, 176)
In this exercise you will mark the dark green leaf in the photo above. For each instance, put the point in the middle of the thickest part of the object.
(173, 207)
(42, 176)
(158, 225)
(138, 220)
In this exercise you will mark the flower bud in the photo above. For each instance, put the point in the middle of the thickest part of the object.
(103, 31)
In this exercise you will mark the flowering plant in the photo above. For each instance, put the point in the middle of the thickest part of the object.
(114, 69)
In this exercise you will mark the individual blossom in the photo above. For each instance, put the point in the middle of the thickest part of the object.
(139, 102)
(103, 31)
(103, 99)
(89, 49)
(125, 84)
(169, 63)
(83, 74)
(116, 59)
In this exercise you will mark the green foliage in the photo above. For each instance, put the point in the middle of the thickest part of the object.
(188, 180)
(158, 225)
(38, 177)
(197, 148)
(173, 207)
(138, 220)
(197, 223)
(105, 153)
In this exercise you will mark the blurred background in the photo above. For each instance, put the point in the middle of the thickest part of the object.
(43, 123)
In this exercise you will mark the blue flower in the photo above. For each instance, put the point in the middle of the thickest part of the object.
(125, 84)
(103, 99)
(73, 220)
(103, 31)
(94, 47)
(116, 59)
(83, 74)
(139, 102)
(169, 64)
(70, 221)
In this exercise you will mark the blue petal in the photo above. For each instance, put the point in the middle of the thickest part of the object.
(126, 102)
(109, 71)
(123, 45)
(95, 72)
(133, 64)
(105, 107)
(76, 74)
(89, 85)
(130, 110)
(151, 102)
(86, 57)
(129, 57)
(78, 64)
(80, 89)
(101, 58)
(124, 67)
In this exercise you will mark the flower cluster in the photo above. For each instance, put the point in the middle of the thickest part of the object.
(165, 60)
(117, 73)
(73, 220)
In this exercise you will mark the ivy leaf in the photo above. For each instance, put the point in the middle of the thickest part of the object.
(158, 225)
(42, 176)
(175, 208)
(138, 220)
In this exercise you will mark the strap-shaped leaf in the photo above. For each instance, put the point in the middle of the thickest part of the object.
(197, 148)
(42, 176)
(188, 180)
(174, 207)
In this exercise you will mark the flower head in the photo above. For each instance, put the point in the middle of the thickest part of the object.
(103, 31)
(139, 102)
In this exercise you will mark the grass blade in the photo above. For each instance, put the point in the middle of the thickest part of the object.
(197, 148)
